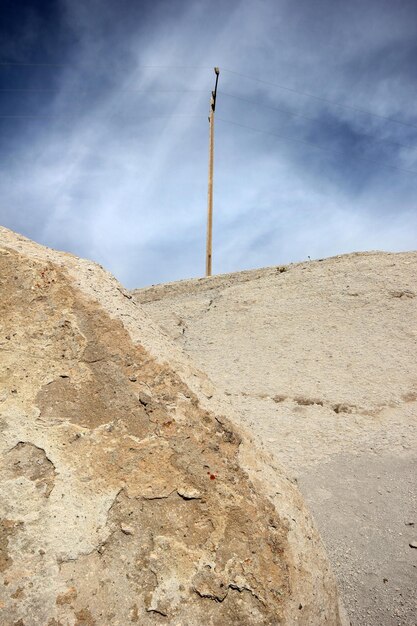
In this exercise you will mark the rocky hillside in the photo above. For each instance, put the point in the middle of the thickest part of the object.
(319, 360)
(127, 494)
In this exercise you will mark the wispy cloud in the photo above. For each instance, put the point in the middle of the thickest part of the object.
(118, 171)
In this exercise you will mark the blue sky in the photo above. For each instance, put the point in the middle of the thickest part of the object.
(104, 130)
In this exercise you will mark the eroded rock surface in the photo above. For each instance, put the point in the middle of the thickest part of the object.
(126, 493)
(320, 362)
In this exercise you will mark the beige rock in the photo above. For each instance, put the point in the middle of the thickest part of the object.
(320, 362)
(120, 505)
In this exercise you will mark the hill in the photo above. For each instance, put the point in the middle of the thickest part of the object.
(319, 361)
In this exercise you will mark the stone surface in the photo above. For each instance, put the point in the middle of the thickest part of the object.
(320, 363)
(126, 493)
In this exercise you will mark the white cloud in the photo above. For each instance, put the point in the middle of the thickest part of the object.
(114, 182)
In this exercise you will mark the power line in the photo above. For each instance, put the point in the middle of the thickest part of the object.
(258, 80)
(190, 115)
(321, 99)
(265, 106)
(309, 118)
(83, 91)
(176, 67)
(23, 64)
(161, 67)
(314, 145)
(58, 115)
(224, 93)
(280, 86)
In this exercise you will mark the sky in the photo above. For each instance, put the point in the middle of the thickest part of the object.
(104, 130)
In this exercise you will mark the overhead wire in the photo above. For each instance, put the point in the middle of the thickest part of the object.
(161, 67)
(241, 75)
(24, 64)
(222, 92)
(58, 115)
(314, 145)
(84, 91)
(307, 117)
(278, 109)
(321, 99)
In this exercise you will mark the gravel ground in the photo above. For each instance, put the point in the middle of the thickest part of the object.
(372, 500)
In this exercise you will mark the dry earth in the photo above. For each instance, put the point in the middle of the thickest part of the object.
(126, 493)
(319, 360)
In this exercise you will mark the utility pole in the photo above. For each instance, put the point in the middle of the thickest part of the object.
(210, 177)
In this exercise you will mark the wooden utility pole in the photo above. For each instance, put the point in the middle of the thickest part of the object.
(210, 178)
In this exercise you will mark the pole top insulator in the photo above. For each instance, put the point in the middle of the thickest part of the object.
(217, 70)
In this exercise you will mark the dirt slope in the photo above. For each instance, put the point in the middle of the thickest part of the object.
(126, 494)
(320, 361)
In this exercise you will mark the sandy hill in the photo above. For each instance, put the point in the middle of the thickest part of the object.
(319, 360)
(127, 496)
